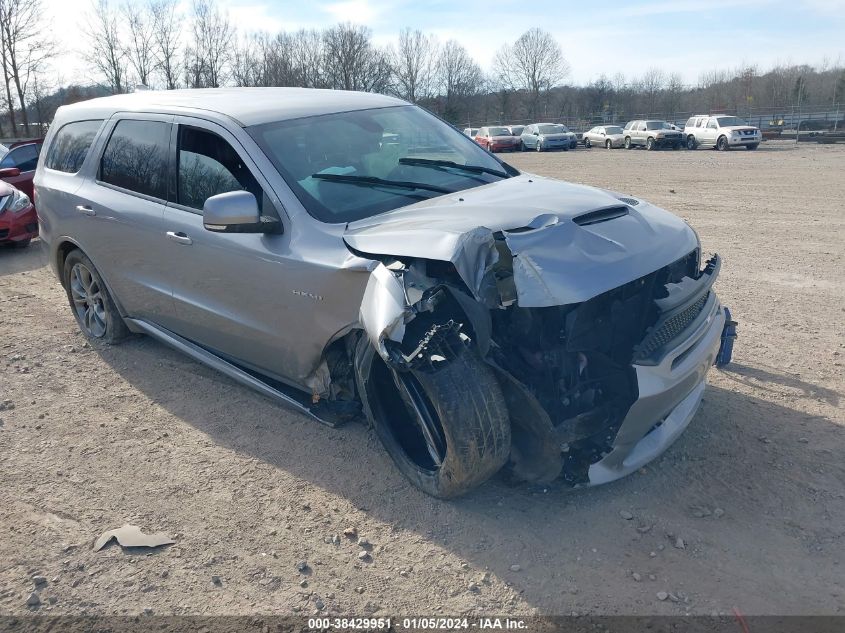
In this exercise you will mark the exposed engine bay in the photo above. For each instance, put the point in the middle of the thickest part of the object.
(566, 370)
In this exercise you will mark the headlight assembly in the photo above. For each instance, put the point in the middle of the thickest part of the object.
(17, 202)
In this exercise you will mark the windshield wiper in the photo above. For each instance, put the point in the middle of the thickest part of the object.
(431, 162)
(372, 181)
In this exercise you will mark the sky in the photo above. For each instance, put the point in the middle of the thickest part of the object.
(597, 37)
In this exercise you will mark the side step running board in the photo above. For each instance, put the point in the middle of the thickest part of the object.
(215, 362)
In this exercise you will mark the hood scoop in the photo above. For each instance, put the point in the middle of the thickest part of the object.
(600, 215)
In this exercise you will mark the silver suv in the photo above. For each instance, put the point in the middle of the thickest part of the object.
(722, 132)
(355, 257)
(652, 134)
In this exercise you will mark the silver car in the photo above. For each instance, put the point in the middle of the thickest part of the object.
(355, 257)
(547, 136)
(608, 136)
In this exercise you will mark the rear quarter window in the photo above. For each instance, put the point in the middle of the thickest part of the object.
(135, 157)
(70, 146)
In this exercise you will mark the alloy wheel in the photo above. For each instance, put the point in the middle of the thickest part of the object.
(88, 301)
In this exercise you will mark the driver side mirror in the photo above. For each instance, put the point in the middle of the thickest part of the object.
(9, 172)
(236, 212)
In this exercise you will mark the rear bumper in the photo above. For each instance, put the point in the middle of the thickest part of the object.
(669, 395)
(16, 227)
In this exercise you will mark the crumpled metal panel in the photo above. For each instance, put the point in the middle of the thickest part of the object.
(557, 262)
(383, 308)
(566, 263)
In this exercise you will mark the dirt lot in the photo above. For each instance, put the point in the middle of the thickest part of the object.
(754, 490)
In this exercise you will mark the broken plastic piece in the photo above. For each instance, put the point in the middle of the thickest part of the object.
(132, 536)
(728, 337)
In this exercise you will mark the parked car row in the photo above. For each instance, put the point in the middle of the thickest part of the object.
(714, 131)
(512, 138)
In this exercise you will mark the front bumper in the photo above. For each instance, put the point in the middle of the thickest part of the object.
(669, 395)
(668, 141)
(504, 147)
(16, 227)
(745, 140)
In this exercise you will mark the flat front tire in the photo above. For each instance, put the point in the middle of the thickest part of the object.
(90, 301)
(446, 429)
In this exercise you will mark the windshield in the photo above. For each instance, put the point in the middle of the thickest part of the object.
(402, 144)
(728, 121)
(613, 129)
(552, 128)
(499, 131)
(657, 125)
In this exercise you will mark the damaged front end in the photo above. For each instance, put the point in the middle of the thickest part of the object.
(596, 386)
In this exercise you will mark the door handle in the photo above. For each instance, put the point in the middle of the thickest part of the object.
(179, 237)
(84, 208)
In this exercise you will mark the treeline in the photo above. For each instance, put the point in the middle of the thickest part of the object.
(159, 45)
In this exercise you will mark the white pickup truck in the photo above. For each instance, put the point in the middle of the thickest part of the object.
(720, 131)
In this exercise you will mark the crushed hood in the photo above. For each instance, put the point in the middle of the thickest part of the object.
(559, 257)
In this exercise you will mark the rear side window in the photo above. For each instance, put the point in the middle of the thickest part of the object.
(208, 166)
(135, 157)
(71, 144)
(24, 158)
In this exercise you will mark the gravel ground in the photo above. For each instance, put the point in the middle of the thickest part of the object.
(747, 510)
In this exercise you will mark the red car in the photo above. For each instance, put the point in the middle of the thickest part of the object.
(497, 139)
(23, 157)
(18, 221)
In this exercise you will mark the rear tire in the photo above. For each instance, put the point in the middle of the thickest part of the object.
(90, 301)
(460, 403)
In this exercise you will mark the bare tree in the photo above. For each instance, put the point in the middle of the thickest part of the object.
(25, 49)
(674, 87)
(414, 62)
(534, 63)
(213, 36)
(245, 63)
(308, 58)
(352, 62)
(166, 36)
(140, 47)
(43, 99)
(458, 77)
(107, 53)
(651, 84)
